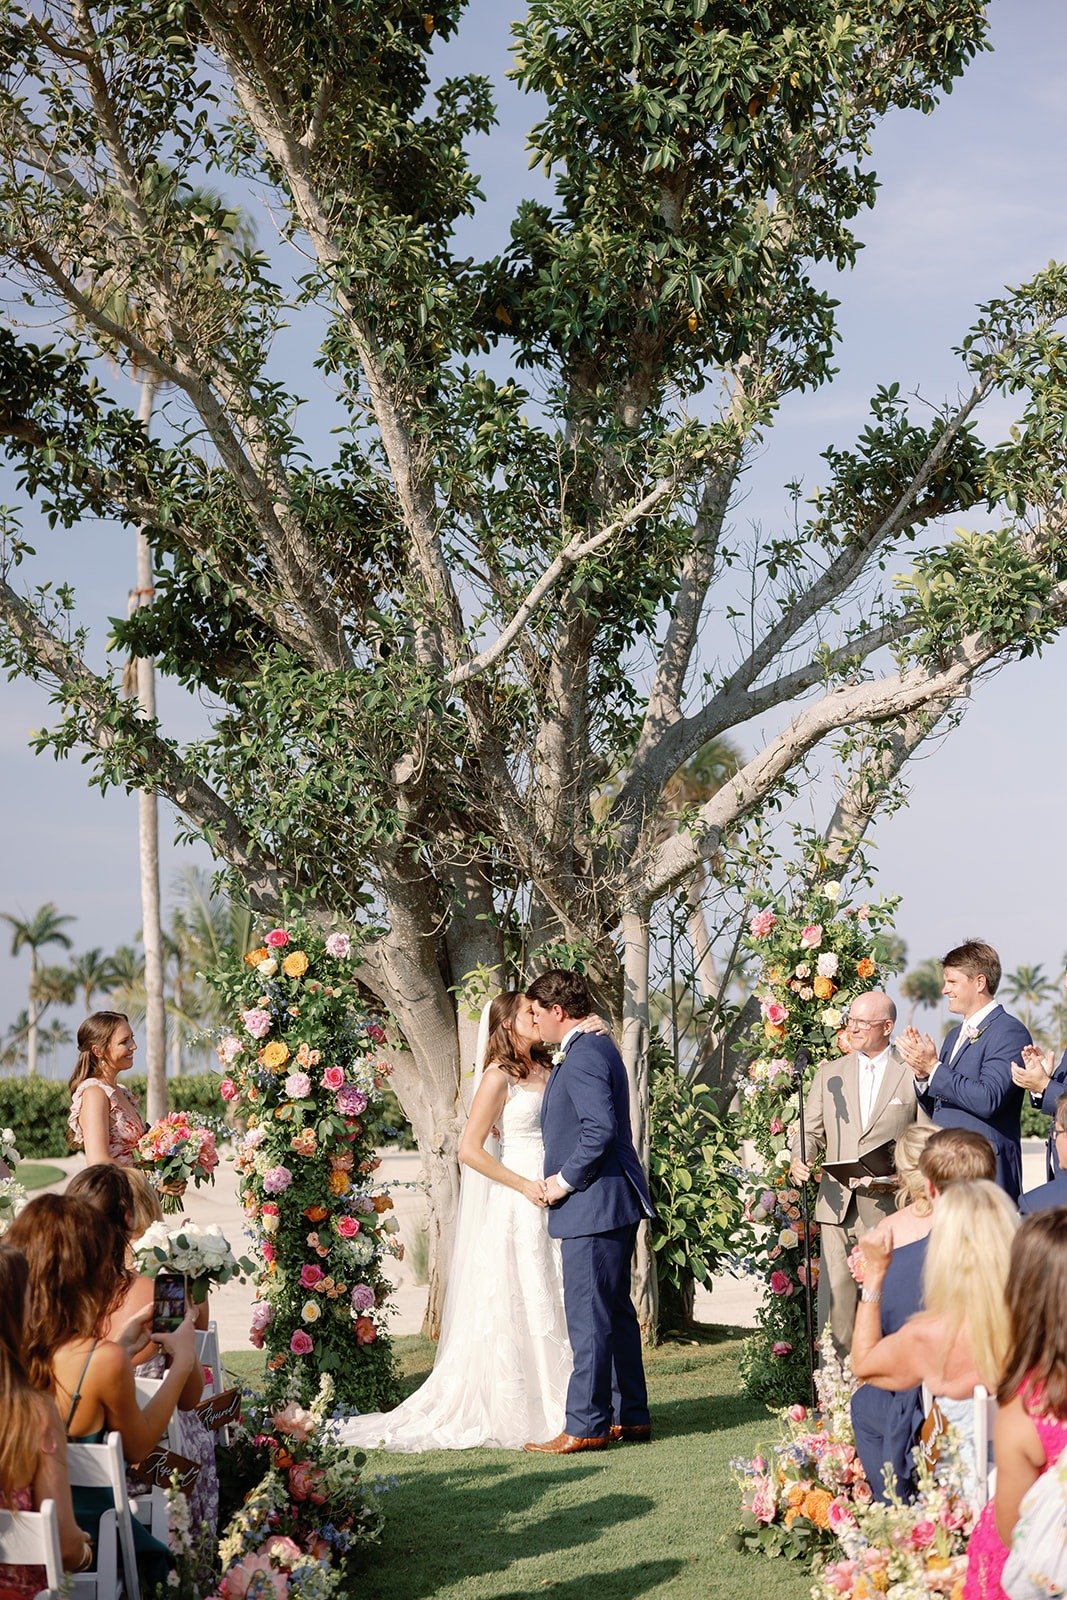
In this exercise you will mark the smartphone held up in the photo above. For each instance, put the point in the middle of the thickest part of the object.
(169, 1302)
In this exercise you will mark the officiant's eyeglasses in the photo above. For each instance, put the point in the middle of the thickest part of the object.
(864, 1022)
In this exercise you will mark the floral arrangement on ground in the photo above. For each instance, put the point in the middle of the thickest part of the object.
(302, 1515)
(304, 1067)
(815, 957)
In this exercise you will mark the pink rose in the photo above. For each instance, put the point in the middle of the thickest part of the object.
(262, 1315)
(781, 1347)
(294, 1421)
(228, 1049)
(760, 925)
(338, 945)
(303, 1482)
(764, 1503)
(301, 1344)
(257, 1021)
(797, 1413)
(861, 1493)
(376, 1033)
(228, 1089)
(840, 1518)
(776, 1125)
(366, 1332)
(333, 1078)
(276, 939)
(922, 1534)
(775, 1012)
(347, 1227)
(780, 1284)
(268, 1251)
(254, 1575)
(311, 1277)
(811, 936)
(284, 1552)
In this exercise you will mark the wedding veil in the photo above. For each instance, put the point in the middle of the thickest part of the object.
(465, 1279)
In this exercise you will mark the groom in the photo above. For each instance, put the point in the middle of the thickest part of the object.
(597, 1195)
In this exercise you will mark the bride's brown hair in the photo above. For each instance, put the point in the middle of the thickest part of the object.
(502, 1049)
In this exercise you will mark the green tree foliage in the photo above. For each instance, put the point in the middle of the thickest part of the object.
(512, 583)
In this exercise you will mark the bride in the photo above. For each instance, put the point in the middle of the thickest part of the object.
(503, 1360)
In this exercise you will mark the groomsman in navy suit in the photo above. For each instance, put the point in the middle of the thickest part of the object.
(597, 1196)
(1053, 1193)
(969, 1084)
(1037, 1072)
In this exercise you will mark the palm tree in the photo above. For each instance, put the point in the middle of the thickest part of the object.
(1028, 987)
(94, 973)
(34, 933)
(922, 986)
(55, 1037)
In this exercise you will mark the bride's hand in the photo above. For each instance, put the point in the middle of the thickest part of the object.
(534, 1190)
(593, 1024)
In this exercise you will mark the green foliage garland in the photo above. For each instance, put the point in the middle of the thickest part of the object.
(305, 1072)
(815, 956)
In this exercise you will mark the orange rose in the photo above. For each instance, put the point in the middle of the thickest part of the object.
(316, 1213)
(254, 957)
(866, 968)
(295, 965)
(382, 1202)
(823, 987)
(817, 1507)
(340, 1183)
(773, 1030)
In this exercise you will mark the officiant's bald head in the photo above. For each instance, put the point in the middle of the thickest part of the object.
(870, 1022)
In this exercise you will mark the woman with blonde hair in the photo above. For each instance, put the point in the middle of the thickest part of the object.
(960, 1338)
(914, 1216)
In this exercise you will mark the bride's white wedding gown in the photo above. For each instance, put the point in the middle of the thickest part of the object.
(503, 1360)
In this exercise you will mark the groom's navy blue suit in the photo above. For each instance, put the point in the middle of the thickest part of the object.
(585, 1123)
(975, 1091)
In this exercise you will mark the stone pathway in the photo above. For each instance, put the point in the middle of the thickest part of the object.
(730, 1302)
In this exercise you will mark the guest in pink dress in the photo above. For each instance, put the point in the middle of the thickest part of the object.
(105, 1120)
(1031, 1428)
(33, 1449)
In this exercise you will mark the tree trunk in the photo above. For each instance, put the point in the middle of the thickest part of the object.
(148, 830)
(176, 1025)
(32, 1016)
(635, 1059)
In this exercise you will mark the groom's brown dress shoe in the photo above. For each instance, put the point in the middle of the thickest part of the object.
(565, 1444)
(631, 1433)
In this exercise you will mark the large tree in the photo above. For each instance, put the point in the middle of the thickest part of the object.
(510, 583)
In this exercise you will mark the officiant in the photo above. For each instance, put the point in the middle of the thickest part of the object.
(857, 1107)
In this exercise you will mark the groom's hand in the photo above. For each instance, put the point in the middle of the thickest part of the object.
(554, 1191)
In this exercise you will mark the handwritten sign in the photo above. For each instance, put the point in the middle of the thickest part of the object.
(218, 1410)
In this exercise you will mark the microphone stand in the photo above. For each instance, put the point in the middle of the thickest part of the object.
(800, 1066)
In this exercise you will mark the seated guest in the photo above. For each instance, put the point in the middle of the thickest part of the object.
(886, 1421)
(1053, 1193)
(75, 1282)
(1031, 1428)
(913, 1216)
(33, 1451)
(131, 1206)
(959, 1339)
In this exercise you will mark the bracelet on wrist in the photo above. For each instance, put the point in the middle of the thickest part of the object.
(869, 1297)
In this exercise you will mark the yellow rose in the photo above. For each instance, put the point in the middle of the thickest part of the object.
(823, 987)
(275, 1055)
(340, 1183)
(310, 1311)
(295, 965)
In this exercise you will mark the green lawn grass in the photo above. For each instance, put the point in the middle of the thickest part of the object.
(634, 1520)
(36, 1175)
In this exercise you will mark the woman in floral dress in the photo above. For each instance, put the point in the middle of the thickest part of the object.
(105, 1120)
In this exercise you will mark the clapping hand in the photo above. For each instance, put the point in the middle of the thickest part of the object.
(1037, 1068)
(918, 1051)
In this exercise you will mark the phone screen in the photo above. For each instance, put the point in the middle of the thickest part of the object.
(168, 1303)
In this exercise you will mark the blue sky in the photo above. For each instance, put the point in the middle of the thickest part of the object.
(972, 199)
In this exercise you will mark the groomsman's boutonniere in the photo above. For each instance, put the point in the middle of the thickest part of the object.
(971, 1034)
(557, 1055)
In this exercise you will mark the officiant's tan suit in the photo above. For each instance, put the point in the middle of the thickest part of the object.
(836, 1131)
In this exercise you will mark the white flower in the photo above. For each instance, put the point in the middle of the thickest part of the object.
(267, 968)
(827, 965)
(831, 1017)
(832, 891)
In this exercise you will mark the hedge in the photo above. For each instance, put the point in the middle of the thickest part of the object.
(36, 1110)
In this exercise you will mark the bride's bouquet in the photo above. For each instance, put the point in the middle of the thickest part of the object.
(12, 1194)
(201, 1255)
(174, 1150)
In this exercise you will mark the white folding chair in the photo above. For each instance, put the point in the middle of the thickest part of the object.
(151, 1508)
(31, 1539)
(207, 1353)
(985, 1416)
(102, 1466)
